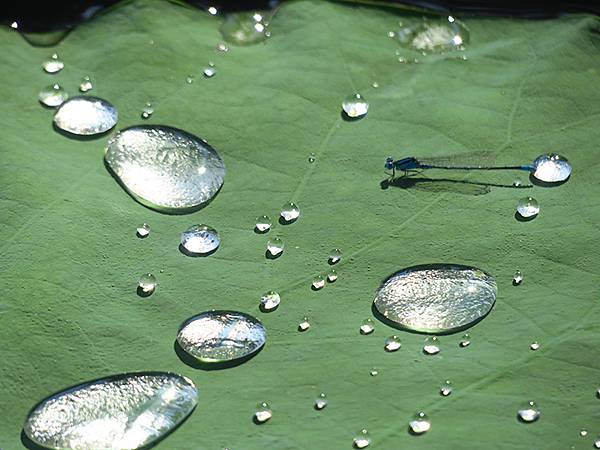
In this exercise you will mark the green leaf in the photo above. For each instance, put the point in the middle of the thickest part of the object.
(71, 260)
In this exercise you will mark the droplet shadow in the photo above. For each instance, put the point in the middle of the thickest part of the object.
(282, 221)
(546, 184)
(346, 118)
(520, 218)
(257, 231)
(186, 252)
(265, 310)
(194, 363)
(463, 187)
(270, 255)
(144, 294)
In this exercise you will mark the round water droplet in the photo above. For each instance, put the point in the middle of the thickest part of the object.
(431, 346)
(355, 106)
(335, 256)
(465, 341)
(219, 336)
(446, 388)
(332, 276)
(209, 72)
(263, 412)
(436, 298)
(147, 111)
(434, 36)
(143, 230)
(367, 326)
(275, 246)
(53, 95)
(85, 85)
(528, 207)
(312, 158)
(321, 401)
(200, 240)
(420, 423)
(374, 372)
(113, 413)
(189, 79)
(304, 324)
(517, 278)
(243, 28)
(263, 223)
(147, 283)
(362, 439)
(86, 116)
(269, 301)
(222, 47)
(318, 282)
(583, 433)
(529, 412)
(290, 212)
(551, 168)
(392, 344)
(165, 168)
(53, 64)
(535, 345)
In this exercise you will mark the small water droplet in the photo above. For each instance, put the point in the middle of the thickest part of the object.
(374, 372)
(312, 158)
(189, 79)
(431, 345)
(304, 324)
(465, 341)
(355, 106)
(420, 423)
(147, 111)
(517, 183)
(263, 412)
(147, 283)
(290, 212)
(85, 85)
(318, 282)
(275, 246)
(209, 72)
(583, 433)
(263, 223)
(367, 326)
(54, 64)
(392, 344)
(211, 64)
(332, 276)
(212, 11)
(446, 388)
(335, 256)
(362, 439)
(222, 47)
(143, 230)
(199, 240)
(529, 412)
(321, 401)
(269, 301)
(597, 442)
(391, 34)
(14, 25)
(517, 278)
(375, 84)
(534, 345)
(528, 207)
(53, 95)
(86, 116)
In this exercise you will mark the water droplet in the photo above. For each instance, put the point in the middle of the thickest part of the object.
(189, 79)
(529, 412)
(209, 72)
(420, 423)
(517, 278)
(211, 64)
(165, 168)
(434, 36)
(318, 282)
(275, 246)
(583, 433)
(375, 84)
(528, 207)
(437, 297)
(220, 336)
(263, 412)
(53, 65)
(392, 344)
(391, 34)
(446, 388)
(517, 183)
(200, 240)
(14, 25)
(312, 158)
(335, 256)
(269, 301)
(290, 212)
(243, 28)
(465, 341)
(321, 401)
(332, 276)
(304, 324)
(113, 412)
(86, 116)
(362, 439)
(355, 106)
(147, 283)
(143, 230)
(374, 372)
(85, 85)
(53, 95)
(597, 442)
(263, 223)
(534, 345)
(212, 10)
(431, 345)
(147, 111)
(551, 168)
(222, 47)
(367, 326)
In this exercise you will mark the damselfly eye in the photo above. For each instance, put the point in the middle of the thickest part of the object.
(389, 163)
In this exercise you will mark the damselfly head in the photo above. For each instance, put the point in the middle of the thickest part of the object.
(389, 163)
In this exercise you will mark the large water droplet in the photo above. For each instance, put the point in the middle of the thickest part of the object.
(53, 64)
(529, 412)
(335, 255)
(355, 106)
(528, 207)
(219, 336)
(143, 230)
(321, 401)
(446, 388)
(269, 301)
(53, 95)
(436, 298)
(86, 116)
(290, 212)
(434, 35)
(517, 278)
(465, 341)
(147, 283)
(165, 168)
(147, 111)
(244, 28)
(431, 346)
(200, 240)
(113, 413)
(86, 84)
(263, 223)
(392, 344)
(362, 439)
(263, 412)
(275, 246)
(551, 168)
(420, 423)
(367, 326)
(318, 282)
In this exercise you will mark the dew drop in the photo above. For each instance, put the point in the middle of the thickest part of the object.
(290, 212)
(375, 85)
(446, 388)
(335, 256)
(209, 72)
(318, 282)
(143, 230)
(551, 168)
(528, 207)
(85, 85)
(465, 340)
(434, 36)
(321, 401)
(275, 246)
(362, 439)
(529, 412)
(392, 344)
(583, 433)
(269, 301)
(355, 106)
(86, 116)
(212, 11)
(517, 278)
(263, 412)
(53, 95)
(535, 345)
(312, 158)
(420, 423)
(243, 28)
(517, 183)
(367, 326)
(263, 223)
(431, 345)
(222, 47)
(147, 111)
(391, 34)
(200, 240)
(147, 283)
(14, 25)
(332, 276)
(189, 79)
(374, 372)
(53, 64)
(304, 324)
(597, 442)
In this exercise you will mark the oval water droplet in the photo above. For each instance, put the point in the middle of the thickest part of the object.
(375, 85)
(220, 336)
(209, 72)
(86, 116)
(392, 344)
(304, 324)
(263, 223)
(312, 157)
(122, 411)
(263, 412)
(551, 168)
(332, 276)
(517, 278)
(147, 283)
(446, 388)
(321, 401)
(147, 111)
(165, 168)
(535, 345)
(53, 95)
(335, 256)
(53, 64)
(200, 240)
(434, 36)
(143, 230)
(367, 326)
(431, 346)
(269, 301)
(355, 106)
(528, 207)
(290, 212)
(420, 423)
(244, 29)
(529, 412)
(374, 372)
(318, 282)
(465, 341)
(275, 246)
(436, 298)
(85, 85)
(362, 439)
